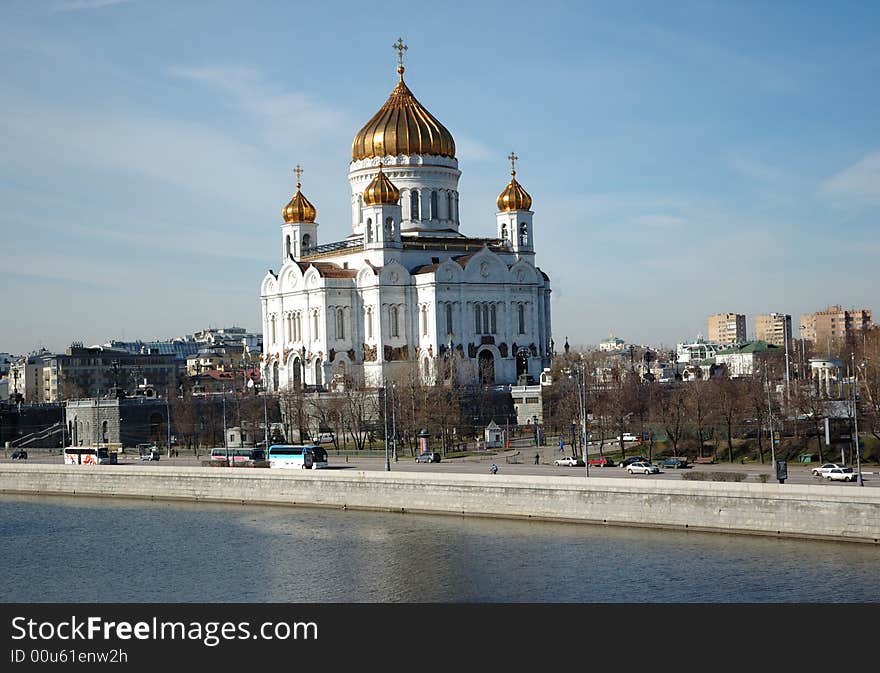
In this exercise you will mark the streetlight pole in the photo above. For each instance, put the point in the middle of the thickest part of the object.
(385, 419)
(265, 425)
(225, 442)
(770, 423)
(856, 420)
(168, 424)
(394, 420)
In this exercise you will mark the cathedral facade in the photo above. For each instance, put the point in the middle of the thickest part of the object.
(406, 288)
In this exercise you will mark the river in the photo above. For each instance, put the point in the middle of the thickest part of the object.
(61, 549)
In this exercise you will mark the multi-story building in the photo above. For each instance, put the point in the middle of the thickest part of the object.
(833, 323)
(773, 328)
(406, 287)
(727, 328)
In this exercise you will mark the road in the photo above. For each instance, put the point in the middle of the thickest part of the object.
(519, 461)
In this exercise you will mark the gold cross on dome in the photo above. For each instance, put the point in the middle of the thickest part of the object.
(513, 159)
(299, 171)
(400, 47)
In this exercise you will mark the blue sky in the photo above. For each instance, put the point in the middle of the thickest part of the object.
(684, 158)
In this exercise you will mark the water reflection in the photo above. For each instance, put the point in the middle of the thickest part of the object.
(78, 550)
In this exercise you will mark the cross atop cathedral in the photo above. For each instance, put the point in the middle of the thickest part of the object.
(299, 171)
(400, 47)
(513, 159)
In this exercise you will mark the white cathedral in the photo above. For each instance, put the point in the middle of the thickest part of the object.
(405, 287)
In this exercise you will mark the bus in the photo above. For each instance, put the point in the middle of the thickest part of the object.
(319, 457)
(237, 456)
(292, 456)
(88, 455)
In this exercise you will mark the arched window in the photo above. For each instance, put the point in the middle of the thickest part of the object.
(340, 323)
(104, 430)
(395, 332)
(272, 329)
(521, 318)
(287, 246)
(319, 371)
(477, 321)
(306, 244)
(389, 229)
(449, 325)
(434, 215)
(369, 321)
(315, 326)
(523, 233)
(449, 206)
(492, 329)
(369, 231)
(424, 321)
(485, 319)
(504, 231)
(414, 205)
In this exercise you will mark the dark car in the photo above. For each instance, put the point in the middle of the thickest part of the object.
(19, 454)
(428, 457)
(674, 462)
(626, 462)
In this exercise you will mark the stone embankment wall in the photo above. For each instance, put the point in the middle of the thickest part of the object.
(829, 512)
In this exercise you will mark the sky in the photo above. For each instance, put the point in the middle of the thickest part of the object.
(684, 158)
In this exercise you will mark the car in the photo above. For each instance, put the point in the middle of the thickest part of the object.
(428, 457)
(840, 474)
(601, 461)
(627, 437)
(674, 462)
(642, 468)
(19, 454)
(825, 467)
(569, 461)
(626, 462)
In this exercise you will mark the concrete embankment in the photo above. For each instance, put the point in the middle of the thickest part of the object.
(830, 512)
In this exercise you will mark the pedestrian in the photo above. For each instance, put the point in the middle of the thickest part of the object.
(493, 469)
(561, 446)
(537, 458)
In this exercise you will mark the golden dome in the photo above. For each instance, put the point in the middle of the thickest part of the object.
(402, 126)
(514, 197)
(381, 191)
(298, 209)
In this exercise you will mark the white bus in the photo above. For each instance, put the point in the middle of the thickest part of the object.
(237, 456)
(291, 456)
(88, 455)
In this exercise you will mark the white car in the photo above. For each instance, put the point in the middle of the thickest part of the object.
(840, 474)
(568, 461)
(642, 468)
(822, 469)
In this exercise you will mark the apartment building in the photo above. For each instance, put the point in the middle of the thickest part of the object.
(832, 323)
(773, 328)
(727, 328)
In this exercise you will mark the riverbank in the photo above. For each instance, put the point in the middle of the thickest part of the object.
(826, 512)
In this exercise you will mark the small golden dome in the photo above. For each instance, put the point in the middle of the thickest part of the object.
(298, 208)
(514, 197)
(381, 191)
(402, 126)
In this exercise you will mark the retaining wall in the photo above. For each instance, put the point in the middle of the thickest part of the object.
(827, 512)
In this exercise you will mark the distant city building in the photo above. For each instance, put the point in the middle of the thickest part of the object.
(774, 328)
(741, 359)
(179, 348)
(612, 343)
(727, 328)
(97, 372)
(832, 323)
(528, 404)
(26, 380)
(696, 351)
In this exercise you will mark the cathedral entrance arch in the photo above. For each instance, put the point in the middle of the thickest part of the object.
(486, 365)
(522, 362)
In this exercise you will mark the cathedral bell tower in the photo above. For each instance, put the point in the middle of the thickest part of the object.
(514, 215)
(299, 233)
(381, 214)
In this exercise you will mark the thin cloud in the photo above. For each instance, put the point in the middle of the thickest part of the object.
(80, 5)
(860, 183)
(288, 116)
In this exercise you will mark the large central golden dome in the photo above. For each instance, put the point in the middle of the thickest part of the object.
(402, 126)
